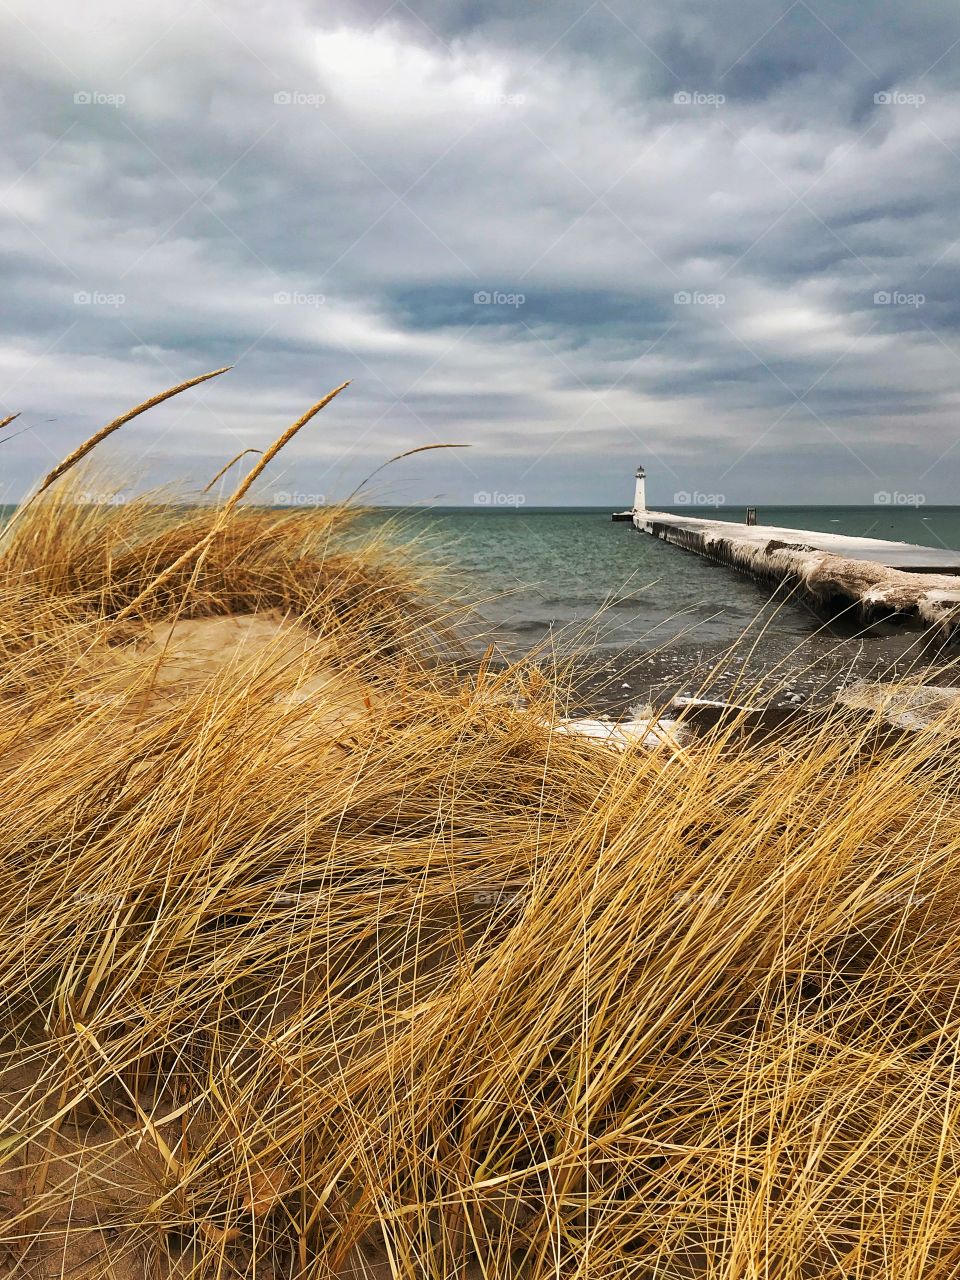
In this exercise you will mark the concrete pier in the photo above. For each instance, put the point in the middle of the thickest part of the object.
(700, 535)
(873, 578)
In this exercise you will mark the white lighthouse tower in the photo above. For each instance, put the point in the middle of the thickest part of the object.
(640, 494)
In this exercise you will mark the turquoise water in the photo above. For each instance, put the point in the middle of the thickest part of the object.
(572, 576)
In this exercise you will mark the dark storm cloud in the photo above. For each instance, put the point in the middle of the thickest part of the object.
(581, 312)
(752, 49)
(579, 235)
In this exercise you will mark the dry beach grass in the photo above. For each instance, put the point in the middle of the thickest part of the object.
(320, 959)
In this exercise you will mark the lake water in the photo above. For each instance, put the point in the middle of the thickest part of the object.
(574, 576)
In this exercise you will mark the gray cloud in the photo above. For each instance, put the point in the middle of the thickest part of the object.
(503, 224)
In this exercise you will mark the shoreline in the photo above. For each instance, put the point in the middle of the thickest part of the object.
(772, 671)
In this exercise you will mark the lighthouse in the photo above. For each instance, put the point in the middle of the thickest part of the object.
(639, 494)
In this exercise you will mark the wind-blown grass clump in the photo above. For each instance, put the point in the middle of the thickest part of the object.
(318, 959)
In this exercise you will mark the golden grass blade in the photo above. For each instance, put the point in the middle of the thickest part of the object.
(6, 422)
(88, 445)
(82, 450)
(198, 549)
(223, 470)
(423, 448)
(278, 444)
(147, 1124)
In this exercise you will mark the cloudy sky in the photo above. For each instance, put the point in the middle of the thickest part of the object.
(721, 240)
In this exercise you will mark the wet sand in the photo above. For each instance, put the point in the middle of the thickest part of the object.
(770, 671)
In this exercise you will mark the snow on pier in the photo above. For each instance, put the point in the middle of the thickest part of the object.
(876, 578)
